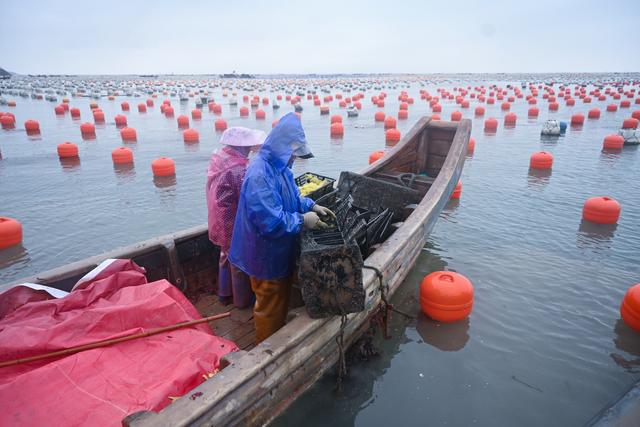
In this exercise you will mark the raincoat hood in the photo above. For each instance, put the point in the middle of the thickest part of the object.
(279, 145)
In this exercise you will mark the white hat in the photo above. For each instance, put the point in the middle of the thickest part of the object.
(242, 137)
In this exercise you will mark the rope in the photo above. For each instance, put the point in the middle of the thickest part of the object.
(342, 362)
(387, 307)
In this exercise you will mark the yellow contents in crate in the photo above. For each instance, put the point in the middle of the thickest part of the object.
(313, 183)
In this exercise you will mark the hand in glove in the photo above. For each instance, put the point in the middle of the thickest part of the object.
(322, 211)
(311, 220)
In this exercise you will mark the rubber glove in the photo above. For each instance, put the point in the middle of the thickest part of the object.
(311, 220)
(322, 211)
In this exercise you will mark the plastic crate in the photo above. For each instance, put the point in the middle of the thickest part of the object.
(325, 189)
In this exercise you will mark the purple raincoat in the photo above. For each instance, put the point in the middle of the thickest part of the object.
(224, 180)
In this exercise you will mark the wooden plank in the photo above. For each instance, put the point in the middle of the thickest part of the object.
(439, 147)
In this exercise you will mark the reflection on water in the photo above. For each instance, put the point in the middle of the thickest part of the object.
(549, 139)
(445, 336)
(537, 179)
(450, 208)
(124, 171)
(191, 147)
(626, 340)
(595, 236)
(70, 164)
(34, 135)
(165, 181)
(609, 157)
(14, 255)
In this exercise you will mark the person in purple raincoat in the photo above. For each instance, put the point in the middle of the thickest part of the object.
(224, 180)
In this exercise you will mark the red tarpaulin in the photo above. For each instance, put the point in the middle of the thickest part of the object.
(103, 385)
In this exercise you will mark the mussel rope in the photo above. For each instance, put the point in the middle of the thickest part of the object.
(341, 367)
(386, 306)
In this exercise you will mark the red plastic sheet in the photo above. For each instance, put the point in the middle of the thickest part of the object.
(102, 386)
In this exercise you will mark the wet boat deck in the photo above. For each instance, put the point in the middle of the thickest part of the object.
(238, 327)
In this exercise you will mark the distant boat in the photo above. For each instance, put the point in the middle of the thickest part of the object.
(352, 111)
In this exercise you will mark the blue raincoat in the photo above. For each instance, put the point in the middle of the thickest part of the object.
(269, 216)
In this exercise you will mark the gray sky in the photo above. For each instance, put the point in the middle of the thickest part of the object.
(324, 36)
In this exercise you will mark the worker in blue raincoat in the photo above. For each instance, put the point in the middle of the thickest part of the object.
(271, 214)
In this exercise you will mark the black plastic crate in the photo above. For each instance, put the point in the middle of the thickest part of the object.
(325, 189)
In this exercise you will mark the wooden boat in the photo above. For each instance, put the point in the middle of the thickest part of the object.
(260, 381)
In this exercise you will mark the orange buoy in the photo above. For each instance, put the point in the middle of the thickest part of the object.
(553, 106)
(437, 108)
(163, 166)
(32, 126)
(510, 119)
(168, 110)
(472, 146)
(128, 134)
(260, 114)
(142, 108)
(436, 117)
(456, 116)
(601, 210)
(636, 114)
(390, 122)
(337, 129)
(220, 125)
(612, 108)
(379, 116)
(244, 111)
(120, 120)
(490, 125)
(274, 123)
(87, 128)
(446, 296)
(577, 119)
(457, 192)
(479, 111)
(629, 308)
(505, 106)
(125, 106)
(625, 104)
(613, 142)
(375, 156)
(59, 110)
(630, 123)
(7, 121)
(541, 160)
(149, 102)
(336, 119)
(122, 155)
(10, 232)
(183, 121)
(67, 150)
(392, 135)
(403, 114)
(98, 116)
(196, 114)
(217, 109)
(191, 135)
(594, 113)
(533, 112)
(93, 106)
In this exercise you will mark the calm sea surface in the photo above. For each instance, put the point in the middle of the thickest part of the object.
(544, 344)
